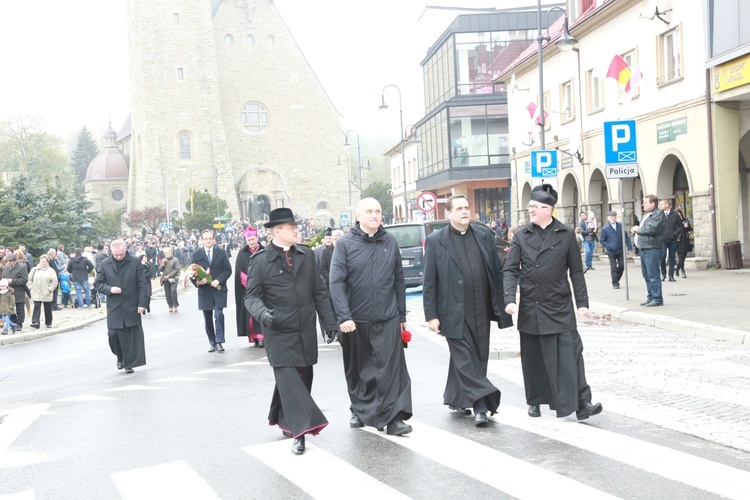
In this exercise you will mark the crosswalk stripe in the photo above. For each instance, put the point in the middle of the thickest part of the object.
(306, 472)
(170, 480)
(135, 387)
(21, 495)
(666, 462)
(14, 422)
(497, 469)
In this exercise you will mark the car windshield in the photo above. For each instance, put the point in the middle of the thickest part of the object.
(406, 236)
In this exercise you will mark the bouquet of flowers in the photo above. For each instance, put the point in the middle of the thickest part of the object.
(196, 272)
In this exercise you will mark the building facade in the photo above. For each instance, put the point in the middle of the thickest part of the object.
(224, 101)
(677, 118)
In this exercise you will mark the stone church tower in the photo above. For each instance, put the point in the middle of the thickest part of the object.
(223, 100)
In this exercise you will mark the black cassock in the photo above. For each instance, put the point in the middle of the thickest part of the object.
(467, 385)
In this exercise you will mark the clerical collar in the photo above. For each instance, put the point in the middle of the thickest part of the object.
(456, 231)
(543, 227)
(280, 248)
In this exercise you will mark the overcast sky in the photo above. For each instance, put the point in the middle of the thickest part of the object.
(66, 61)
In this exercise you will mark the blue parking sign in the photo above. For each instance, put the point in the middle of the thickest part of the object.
(544, 163)
(619, 142)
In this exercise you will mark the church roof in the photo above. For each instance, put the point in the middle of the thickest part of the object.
(108, 165)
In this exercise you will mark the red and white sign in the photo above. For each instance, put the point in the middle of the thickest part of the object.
(426, 202)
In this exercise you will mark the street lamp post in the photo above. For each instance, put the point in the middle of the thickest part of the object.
(384, 106)
(565, 43)
(359, 157)
(348, 183)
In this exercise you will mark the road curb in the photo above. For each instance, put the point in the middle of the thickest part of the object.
(676, 325)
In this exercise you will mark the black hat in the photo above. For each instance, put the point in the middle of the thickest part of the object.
(544, 194)
(10, 256)
(280, 216)
(328, 232)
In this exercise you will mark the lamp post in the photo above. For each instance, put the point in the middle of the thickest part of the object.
(359, 156)
(384, 106)
(565, 43)
(348, 183)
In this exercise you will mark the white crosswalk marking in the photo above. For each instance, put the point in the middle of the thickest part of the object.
(14, 423)
(683, 467)
(136, 387)
(170, 480)
(499, 470)
(21, 495)
(306, 472)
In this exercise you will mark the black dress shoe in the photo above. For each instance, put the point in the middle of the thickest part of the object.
(398, 428)
(219, 347)
(261, 344)
(213, 349)
(645, 303)
(654, 304)
(35, 325)
(480, 419)
(128, 370)
(683, 274)
(534, 411)
(616, 286)
(588, 410)
(119, 365)
(663, 278)
(355, 422)
(460, 411)
(672, 279)
(298, 448)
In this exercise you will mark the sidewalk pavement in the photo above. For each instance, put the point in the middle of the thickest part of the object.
(708, 303)
(68, 319)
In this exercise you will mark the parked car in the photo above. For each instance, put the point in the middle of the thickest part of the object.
(411, 238)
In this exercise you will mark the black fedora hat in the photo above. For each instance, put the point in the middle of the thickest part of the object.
(280, 216)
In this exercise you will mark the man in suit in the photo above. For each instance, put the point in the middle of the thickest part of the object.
(212, 295)
(545, 252)
(669, 247)
(462, 293)
(122, 279)
(611, 240)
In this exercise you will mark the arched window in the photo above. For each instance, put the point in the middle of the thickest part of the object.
(253, 117)
(322, 205)
(184, 147)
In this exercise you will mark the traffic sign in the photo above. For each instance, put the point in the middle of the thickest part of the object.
(544, 163)
(344, 218)
(426, 202)
(221, 219)
(163, 227)
(623, 171)
(218, 226)
(619, 142)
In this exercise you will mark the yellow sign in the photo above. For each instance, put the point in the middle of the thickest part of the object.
(732, 74)
(218, 226)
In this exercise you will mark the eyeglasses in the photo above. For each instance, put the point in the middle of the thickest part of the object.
(536, 207)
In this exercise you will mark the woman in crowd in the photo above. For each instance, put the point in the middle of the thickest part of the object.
(683, 242)
(147, 269)
(42, 283)
(170, 278)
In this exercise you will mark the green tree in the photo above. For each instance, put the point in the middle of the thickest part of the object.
(86, 150)
(205, 208)
(109, 224)
(147, 218)
(25, 147)
(381, 192)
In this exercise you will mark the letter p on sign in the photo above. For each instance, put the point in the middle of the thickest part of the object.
(620, 142)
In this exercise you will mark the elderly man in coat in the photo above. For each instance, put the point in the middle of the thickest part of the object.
(544, 252)
(212, 296)
(122, 279)
(285, 291)
(462, 293)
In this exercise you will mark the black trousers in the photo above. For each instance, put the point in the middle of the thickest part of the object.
(36, 314)
(616, 267)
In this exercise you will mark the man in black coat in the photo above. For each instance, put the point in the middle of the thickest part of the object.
(671, 233)
(325, 273)
(17, 275)
(544, 252)
(285, 291)
(122, 279)
(212, 296)
(369, 297)
(611, 240)
(462, 293)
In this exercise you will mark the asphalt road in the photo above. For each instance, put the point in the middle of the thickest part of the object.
(191, 424)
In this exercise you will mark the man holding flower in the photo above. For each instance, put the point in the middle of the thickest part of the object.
(212, 287)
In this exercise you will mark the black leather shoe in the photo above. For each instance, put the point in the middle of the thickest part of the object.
(219, 347)
(588, 410)
(298, 448)
(654, 304)
(645, 303)
(119, 365)
(398, 428)
(683, 274)
(672, 279)
(460, 411)
(663, 278)
(585, 268)
(534, 411)
(213, 349)
(480, 419)
(616, 286)
(261, 344)
(355, 422)
(329, 337)
(128, 370)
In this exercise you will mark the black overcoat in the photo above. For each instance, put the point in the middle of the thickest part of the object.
(210, 298)
(294, 297)
(443, 286)
(546, 301)
(241, 314)
(122, 308)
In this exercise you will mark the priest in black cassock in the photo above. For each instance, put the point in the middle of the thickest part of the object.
(544, 252)
(462, 293)
(285, 291)
(122, 279)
